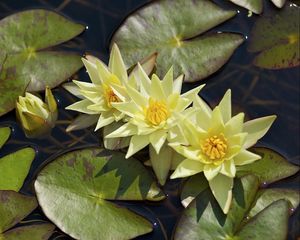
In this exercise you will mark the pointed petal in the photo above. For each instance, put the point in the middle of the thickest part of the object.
(216, 124)
(104, 120)
(129, 108)
(221, 187)
(147, 64)
(156, 90)
(198, 102)
(143, 81)
(103, 71)
(245, 157)
(91, 69)
(177, 84)
(192, 93)
(116, 64)
(257, 128)
(157, 139)
(225, 106)
(82, 121)
(137, 143)
(82, 106)
(228, 168)
(189, 152)
(124, 131)
(167, 82)
(137, 97)
(73, 89)
(235, 125)
(210, 171)
(50, 100)
(161, 163)
(187, 168)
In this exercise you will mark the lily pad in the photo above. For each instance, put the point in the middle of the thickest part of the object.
(271, 168)
(276, 38)
(203, 218)
(256, 6)
(81, 182)
(4, 135)
(23, 37)
(14, 168)
(172, 28)
(13, 208)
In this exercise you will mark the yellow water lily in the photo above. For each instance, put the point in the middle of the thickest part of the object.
(215, 143)
(37, 118)
(151, 114)
(98, 96)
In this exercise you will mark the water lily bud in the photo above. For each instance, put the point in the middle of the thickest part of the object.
(37, 118)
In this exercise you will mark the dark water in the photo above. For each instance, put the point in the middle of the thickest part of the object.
(257, 92)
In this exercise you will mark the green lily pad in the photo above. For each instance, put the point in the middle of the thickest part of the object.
(26, 66)
(267, 196)
(4, 135)
(13, 208)
(33, 232)
(276, 39)
(81, 182)
(14, 168)
(256, 6)
(271, 168)
(172, 28)
(203, 218)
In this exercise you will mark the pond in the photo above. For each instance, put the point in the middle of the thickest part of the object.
(256, 91)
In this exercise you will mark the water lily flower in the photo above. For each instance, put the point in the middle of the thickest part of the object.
(37, 118)
(152, 117)
(216, 144)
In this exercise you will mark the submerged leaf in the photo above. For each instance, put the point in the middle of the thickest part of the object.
(81, 182)
(14, 169)
(23, 36)
(171, 28)
(276, 38)
(270, 168)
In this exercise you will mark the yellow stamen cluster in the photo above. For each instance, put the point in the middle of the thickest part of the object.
(215, 147)
(156, 112)
(111, 97)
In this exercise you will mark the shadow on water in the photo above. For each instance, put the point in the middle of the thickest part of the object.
(257, 92)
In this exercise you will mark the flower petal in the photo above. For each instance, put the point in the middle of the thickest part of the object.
(156, 90)
(257, 128)
(82, 106)
(192, 93)
(104, 120)
(235, 125)
(228, 168)
(187, 168)
(144, 81)
(225, 106)
(198, 102)
(73, 89)
(189, 152)
(137, 143)
(136, 96)
(245, 157)
(129, 108)
(210, 171)
(116, 64)
(91, 69)
(216, 123)
(221, 187)
(177, 84)
(124, 131)
(157, 139)
(161, 163)
(167, 82)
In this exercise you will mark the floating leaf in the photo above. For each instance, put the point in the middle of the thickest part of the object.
(271, 223)
(256, 6)
(276, 38)
(13, 208)
(267, 196)
(272, 167)
(171, 28)
(192, 188)
(14, 168)
(23, 36)
(33, 232)
(81, 182)
(4, 135)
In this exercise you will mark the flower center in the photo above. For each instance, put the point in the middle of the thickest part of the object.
(215, 147)
(156, 112)
(110, 97)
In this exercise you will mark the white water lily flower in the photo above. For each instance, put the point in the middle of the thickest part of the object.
(37, 118)
(216, 144)
(98, 96)
(152, 116)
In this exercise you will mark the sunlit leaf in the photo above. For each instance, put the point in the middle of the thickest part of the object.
(276, 39)
(81, 182)
(23, 37)
(4, 135)
(172, 28)
(14, 168)
(272, 167)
